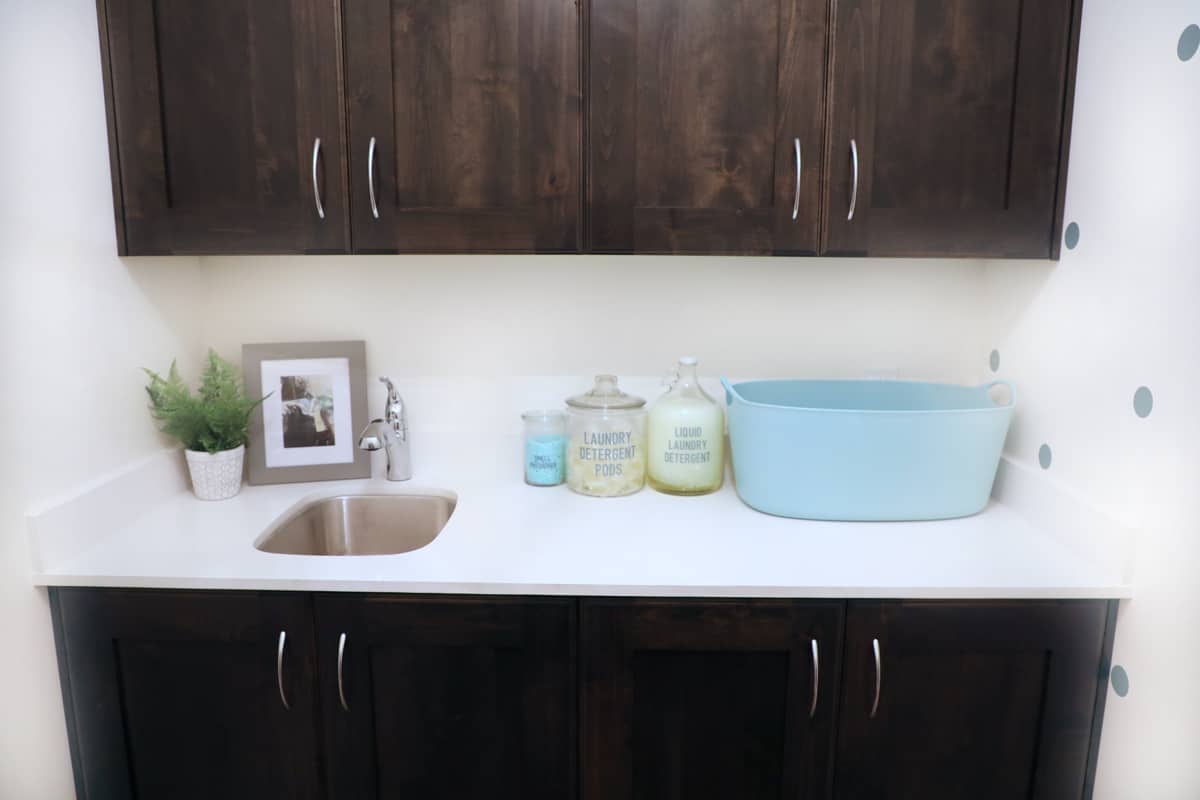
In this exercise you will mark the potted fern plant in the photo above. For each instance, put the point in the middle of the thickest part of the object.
(212, 425)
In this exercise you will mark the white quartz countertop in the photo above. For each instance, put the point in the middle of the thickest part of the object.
(144, 529)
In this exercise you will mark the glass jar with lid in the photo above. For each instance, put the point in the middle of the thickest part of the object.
(606, 448)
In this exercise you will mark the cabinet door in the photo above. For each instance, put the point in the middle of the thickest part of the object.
(705, 700)
(464, 125)
(218, 110)
(947, 118)
(988, 701)
(448, 699)
(703, 114)
(186, 695)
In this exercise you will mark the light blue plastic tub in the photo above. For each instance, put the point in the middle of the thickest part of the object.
(866, 450)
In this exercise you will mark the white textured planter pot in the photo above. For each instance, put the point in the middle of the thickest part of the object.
(216, 476)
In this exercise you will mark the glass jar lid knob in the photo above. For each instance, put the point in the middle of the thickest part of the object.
(605, 394)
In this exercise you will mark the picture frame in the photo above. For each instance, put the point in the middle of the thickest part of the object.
(316, 403)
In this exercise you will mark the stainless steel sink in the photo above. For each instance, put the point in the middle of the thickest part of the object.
(360, 525)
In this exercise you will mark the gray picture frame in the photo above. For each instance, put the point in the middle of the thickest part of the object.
(253, 357)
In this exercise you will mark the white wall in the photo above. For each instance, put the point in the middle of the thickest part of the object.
(521, 315)
(75, 325)
(1119, 312)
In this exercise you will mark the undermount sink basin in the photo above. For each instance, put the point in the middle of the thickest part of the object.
(360, 525)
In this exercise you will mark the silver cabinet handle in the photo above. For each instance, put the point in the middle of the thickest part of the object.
(854, 184)
(878, 676)
(317, 186)
(796, 200)
(816, 679)
(371, 177)
(341, 686)
(279, 670)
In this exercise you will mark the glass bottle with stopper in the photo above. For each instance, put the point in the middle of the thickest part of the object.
(686, 437)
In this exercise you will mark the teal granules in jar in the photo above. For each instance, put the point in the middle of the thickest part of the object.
(545, 447)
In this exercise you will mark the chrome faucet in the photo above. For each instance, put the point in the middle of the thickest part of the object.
(390, 435)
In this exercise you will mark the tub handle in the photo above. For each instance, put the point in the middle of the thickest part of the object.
(1012, 392)
(730, 393)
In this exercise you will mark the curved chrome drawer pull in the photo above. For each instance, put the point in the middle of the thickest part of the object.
(371, 177)
(816, 679)
(316, 186)
(878, 676)
(279, 670)
(854, 186)
(341, 686)
(796, 200)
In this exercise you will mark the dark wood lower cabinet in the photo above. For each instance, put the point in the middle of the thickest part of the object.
(175, 695)
(708, 699)
(180, 695)
(448, 699)
(989, 701)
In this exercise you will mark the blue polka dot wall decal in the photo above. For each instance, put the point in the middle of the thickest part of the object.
(994, 361)
(1143, 402)
(1189, 42)
(1045, 456)
(1119, 680)
(1071, 237)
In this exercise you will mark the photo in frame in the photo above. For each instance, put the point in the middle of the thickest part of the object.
(307, 427)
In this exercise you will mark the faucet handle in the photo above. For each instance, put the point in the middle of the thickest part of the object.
(394, 412)
(393, 395)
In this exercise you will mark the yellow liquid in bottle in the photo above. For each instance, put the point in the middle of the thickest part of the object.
(685, 444)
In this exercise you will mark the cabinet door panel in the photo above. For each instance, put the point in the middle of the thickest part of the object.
(449, 698)
(956, 108)
(682, 748)
(992, 701)
(177, 695)
(707, 699)
(696, 107)
(218, 109)
(474, 107)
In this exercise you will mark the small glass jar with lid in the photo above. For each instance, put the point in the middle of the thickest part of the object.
(606, 447)
(545, 447)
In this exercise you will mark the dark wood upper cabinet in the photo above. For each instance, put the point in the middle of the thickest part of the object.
(448, 698)
(947, 127)
(708, 699)
(988, 701)
(181, 695)
(701, 114)
(215, 112)
(465, 125)
(608, 126)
